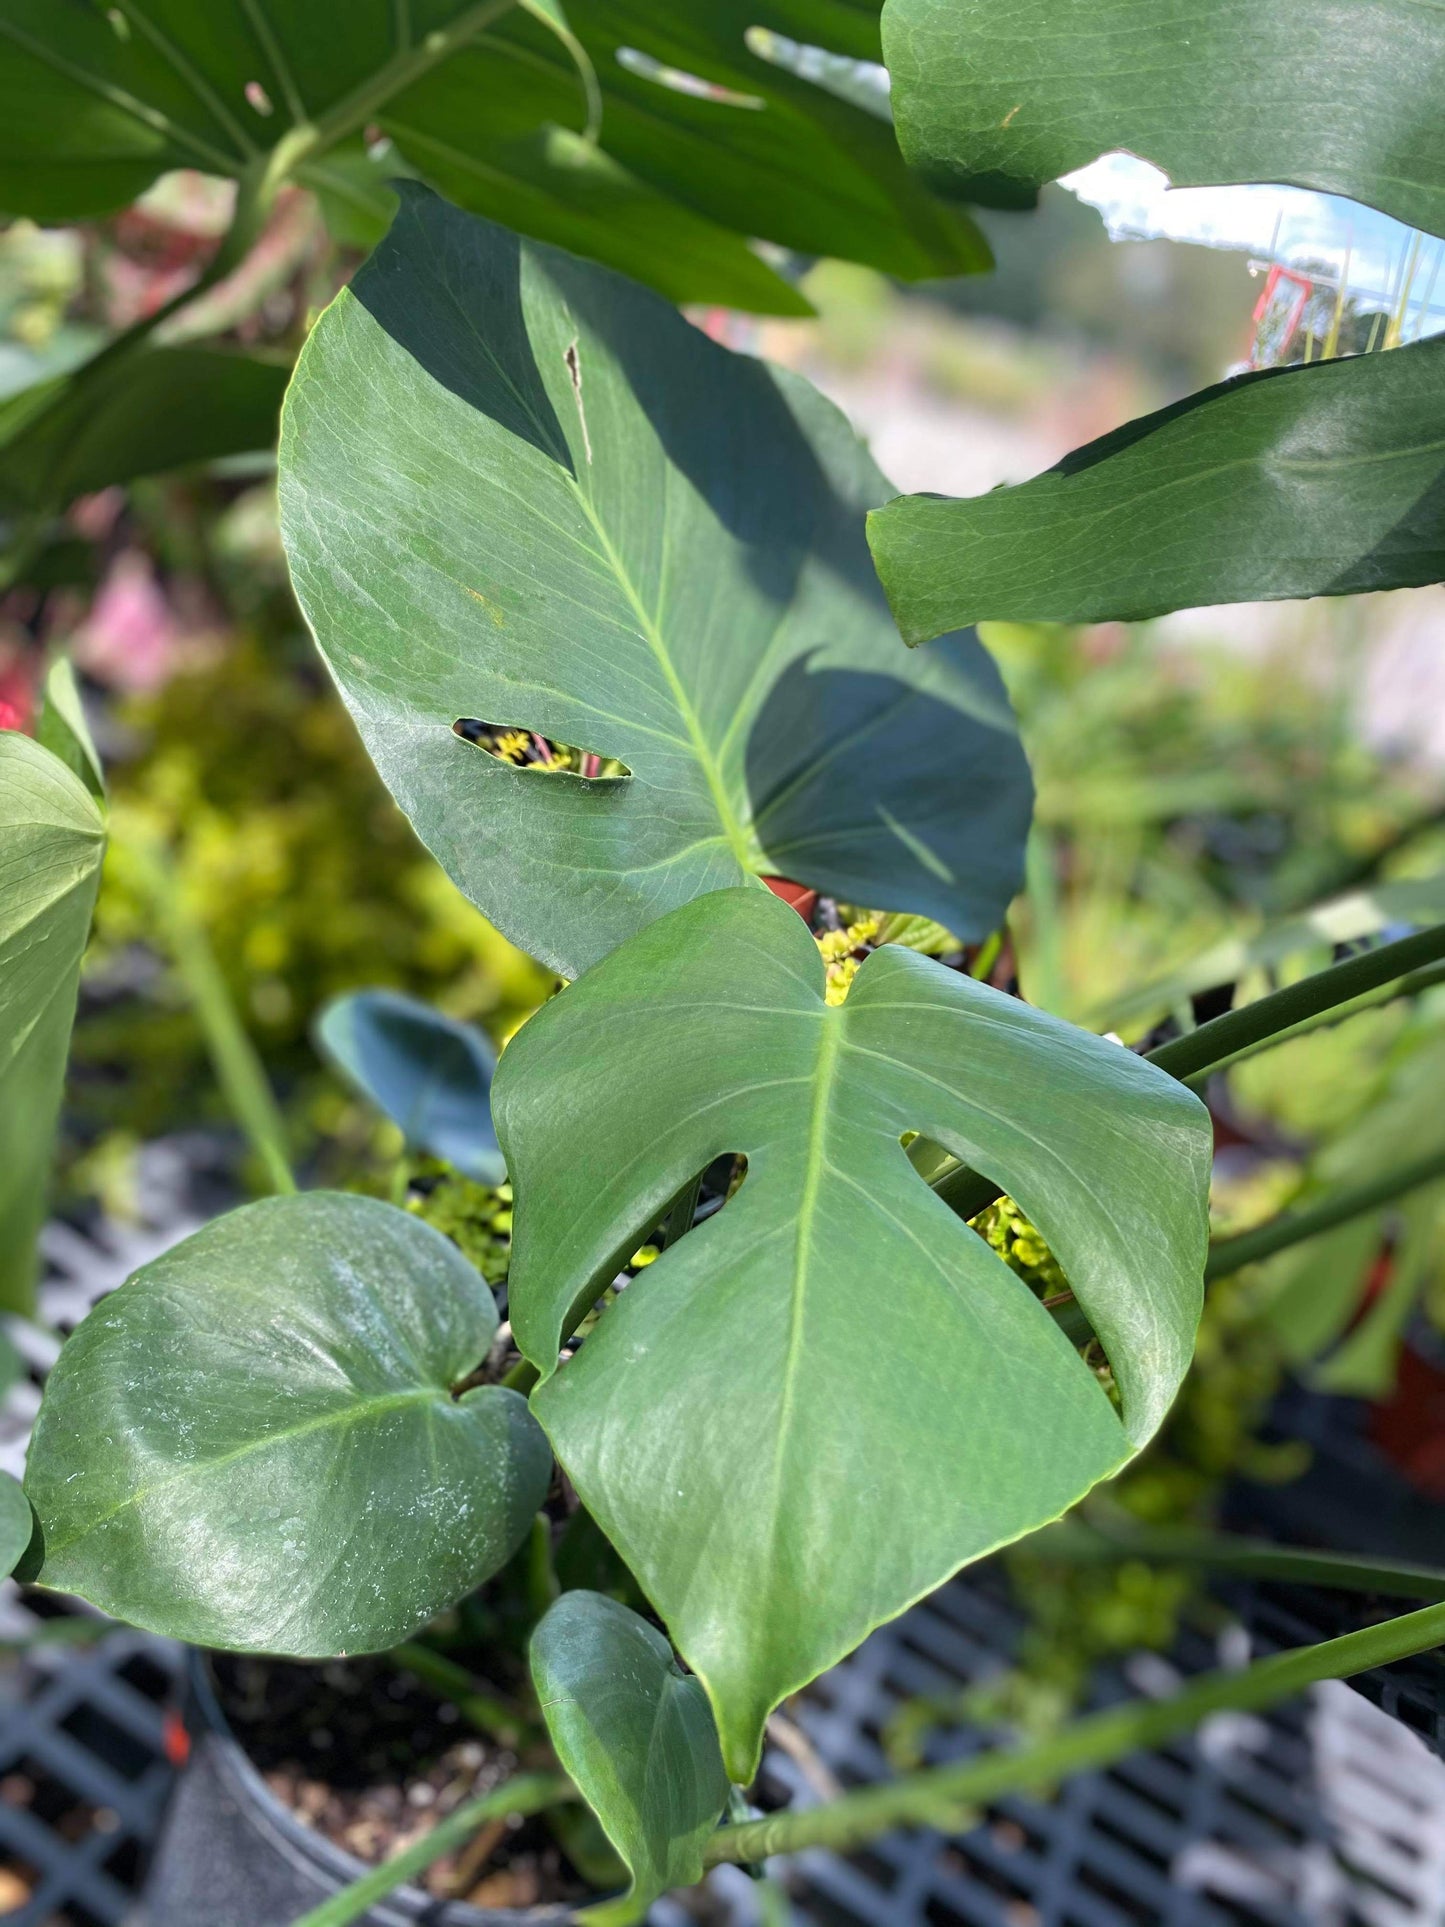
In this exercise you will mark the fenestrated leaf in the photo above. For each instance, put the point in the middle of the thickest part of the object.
(518, 489)
(257, 1442)
(140, 412)
(1327, 479)
(52, 839)
(831, 1394)
(430, 1075)
(636, 1734)
(17, 1523)
(95, 102)
(998, 96)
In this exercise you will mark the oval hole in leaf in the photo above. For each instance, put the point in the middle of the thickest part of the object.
(529, 749)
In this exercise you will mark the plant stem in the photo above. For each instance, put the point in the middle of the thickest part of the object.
(1092, 1543)
(937, 1796)
(1268, 1017)
(528, 1794)
(1409, 986)
(233, 1056)
(1293, 1227)
(504, 1723)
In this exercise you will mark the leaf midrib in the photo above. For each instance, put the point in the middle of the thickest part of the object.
(342, 1417)
(652, 635)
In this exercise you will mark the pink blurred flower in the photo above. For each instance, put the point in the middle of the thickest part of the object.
(130, 638)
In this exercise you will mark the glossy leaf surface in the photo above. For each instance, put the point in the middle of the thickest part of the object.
(52, 840)
(1327, 479)
(636, 1734)
(998, 96)
(430, 1075)
(17, 1523)
(703, 140)
(816, 1406)
(518, 489)
(255, 1444)
(140, 413)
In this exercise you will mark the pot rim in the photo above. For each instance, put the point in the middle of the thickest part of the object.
(298, 1840)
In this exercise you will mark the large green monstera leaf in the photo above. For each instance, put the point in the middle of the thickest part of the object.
(1319, 480)
(832, 1393)
(52, 841)
(703, 139)
(999, 96)
(518, 490)
(262, 1440)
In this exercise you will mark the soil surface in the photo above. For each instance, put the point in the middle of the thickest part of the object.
(371, 1759)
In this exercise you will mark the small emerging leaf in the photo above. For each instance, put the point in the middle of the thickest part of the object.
(256, 1443)
(17, 1522)
(827, 1397)
(636, 1734)
(430, 1075)
(63, 730)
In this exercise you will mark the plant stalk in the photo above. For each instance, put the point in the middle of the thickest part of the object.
(1077, 1541)
(233, 1056)
(530, 1793)
(938, 1796)
(1293, 1227)
(489, 1714)
(1266, 1018)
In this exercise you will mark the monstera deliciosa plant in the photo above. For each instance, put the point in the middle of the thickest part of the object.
(599, 596)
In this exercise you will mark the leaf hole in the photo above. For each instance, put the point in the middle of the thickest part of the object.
(677, 81)
(573, 358)
(528, 749)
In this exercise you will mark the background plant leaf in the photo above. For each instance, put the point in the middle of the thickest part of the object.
(430, 1075)
(518, 489)
(52, 840)
(1327, 479)
(716, 143)
(255, 1442)
(1342, 919)
(17, 1522)
(826, 1398)
(998, 96)
(636, 1734)
(139, 412)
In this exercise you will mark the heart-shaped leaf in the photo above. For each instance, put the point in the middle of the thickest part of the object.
(998, 96)
(519, 490)
(703, 141)
(637, 1736)
(258, 1442)
(430, 1075)
(52, 840)
(17, 1522)
(831, 1394)
(1321, 480)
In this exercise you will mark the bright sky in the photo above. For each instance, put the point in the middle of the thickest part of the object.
(1284, 224)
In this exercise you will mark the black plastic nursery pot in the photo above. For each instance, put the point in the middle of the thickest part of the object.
(231, 1854)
